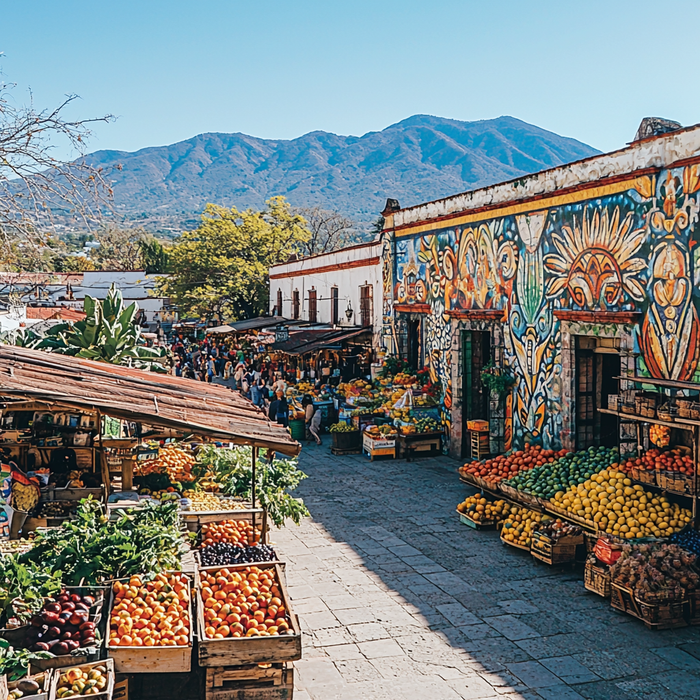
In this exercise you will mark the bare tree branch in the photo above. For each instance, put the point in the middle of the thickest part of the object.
(329, 230)
(36, 186)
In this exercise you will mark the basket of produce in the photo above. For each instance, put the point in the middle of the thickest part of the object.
(667, 411)
(492, 471)
(653, 581)
(645, 406)
(29, 687)
(611, 510)
(93, 680)
(234, 631)
(596, 577)
(528, 499)
(517, 528)
(567, 472)
(660, 435)
(480, 513)
(555, 541)
(66, 625)
(345, 437)
(136, 644)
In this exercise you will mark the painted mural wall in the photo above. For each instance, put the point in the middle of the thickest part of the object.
(628, 246)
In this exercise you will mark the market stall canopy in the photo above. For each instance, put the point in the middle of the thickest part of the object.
(157, 399)
(253, 324)
(312, 340)
(221, 329)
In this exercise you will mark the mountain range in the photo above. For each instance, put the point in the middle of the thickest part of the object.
(416, 160)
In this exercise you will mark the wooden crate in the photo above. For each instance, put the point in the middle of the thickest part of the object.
(43, 679)
(97, 615)
(694, 607)
(476, 524)
(177, 659)
(552, 552)
(378, 447)
(195, 519)
(596, 578)
(524, 547)
(239, 651)
(252, 682)
(106, 694)
(656, 616)
(419, 445)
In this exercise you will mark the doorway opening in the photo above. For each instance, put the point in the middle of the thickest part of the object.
(597, 363)
(476, 353)
(413, 350)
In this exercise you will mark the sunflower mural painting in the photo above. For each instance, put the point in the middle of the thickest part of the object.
(626, 248)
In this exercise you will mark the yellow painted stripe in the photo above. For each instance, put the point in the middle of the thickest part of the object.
(526, 207)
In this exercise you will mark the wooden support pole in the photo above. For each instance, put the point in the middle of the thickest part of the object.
(255, 454)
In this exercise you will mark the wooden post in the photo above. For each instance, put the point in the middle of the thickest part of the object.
(128, 474)
(255, 453)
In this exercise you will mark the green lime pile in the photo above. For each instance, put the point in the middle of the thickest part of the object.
(570, 470)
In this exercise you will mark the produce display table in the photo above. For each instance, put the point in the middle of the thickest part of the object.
(419, 444)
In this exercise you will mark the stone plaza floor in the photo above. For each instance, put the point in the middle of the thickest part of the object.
(399, 600)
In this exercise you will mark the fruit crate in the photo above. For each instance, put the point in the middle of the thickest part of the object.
(644, 476)
(694, 607)
(379, 446)
(561, 551)
(524, 547)
(266, 682)
(675, 482)
(155, 659)
(522, 497)
(476, 524)
(99, 593)
(238, 651)
(261, 522)
(420, 445)
(596, 578)
(656, 616)
(43, 679)
(194, 519)
(106, 694)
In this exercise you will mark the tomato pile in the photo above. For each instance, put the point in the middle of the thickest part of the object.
(151, 614)
(243, 603)
(504, 467)
(662, 460)
(236, 532)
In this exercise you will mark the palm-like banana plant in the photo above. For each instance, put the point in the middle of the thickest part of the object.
(107, 334)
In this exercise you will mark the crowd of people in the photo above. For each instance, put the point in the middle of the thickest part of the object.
(255, 375)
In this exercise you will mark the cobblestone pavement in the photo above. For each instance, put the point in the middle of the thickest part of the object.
(397, 599)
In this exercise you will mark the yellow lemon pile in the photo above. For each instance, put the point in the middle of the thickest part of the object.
(622, 508)
(519, 525)
(481, 510)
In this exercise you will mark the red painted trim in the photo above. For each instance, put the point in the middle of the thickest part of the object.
(477, 314)
(367, 262)
(412, 308)
(598, 316)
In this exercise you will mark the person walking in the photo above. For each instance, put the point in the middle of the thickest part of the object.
(315, 426)
(308, 405)
(279, 410)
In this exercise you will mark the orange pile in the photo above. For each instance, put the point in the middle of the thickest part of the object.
(242, 603)
(239, 533)
(504, 467)
(152, 614)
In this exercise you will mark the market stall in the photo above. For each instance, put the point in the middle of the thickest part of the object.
(158, 436)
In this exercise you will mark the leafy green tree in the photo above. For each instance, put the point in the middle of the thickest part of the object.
(220, 270)
(73, 263)
(155, 257)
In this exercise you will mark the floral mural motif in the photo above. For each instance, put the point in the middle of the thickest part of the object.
(596, 263)
(634, 249)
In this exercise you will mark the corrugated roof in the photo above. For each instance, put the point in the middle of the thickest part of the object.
(157, 399)
(311, 340)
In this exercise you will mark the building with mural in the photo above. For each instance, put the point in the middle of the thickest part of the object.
(563, 281)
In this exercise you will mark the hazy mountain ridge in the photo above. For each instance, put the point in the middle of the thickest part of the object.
(416, 160)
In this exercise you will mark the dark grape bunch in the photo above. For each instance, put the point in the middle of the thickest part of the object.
(224, 553)
(688, 538)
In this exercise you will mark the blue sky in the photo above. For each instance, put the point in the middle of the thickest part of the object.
(170, 70)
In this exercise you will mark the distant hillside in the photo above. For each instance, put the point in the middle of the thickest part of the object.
(419, 159)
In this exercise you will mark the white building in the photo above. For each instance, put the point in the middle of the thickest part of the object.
(341, 288)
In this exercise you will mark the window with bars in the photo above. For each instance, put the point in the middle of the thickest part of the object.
(334, 305)
(366, 310)
(312, 305)
(278, 308)
(295, 304)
